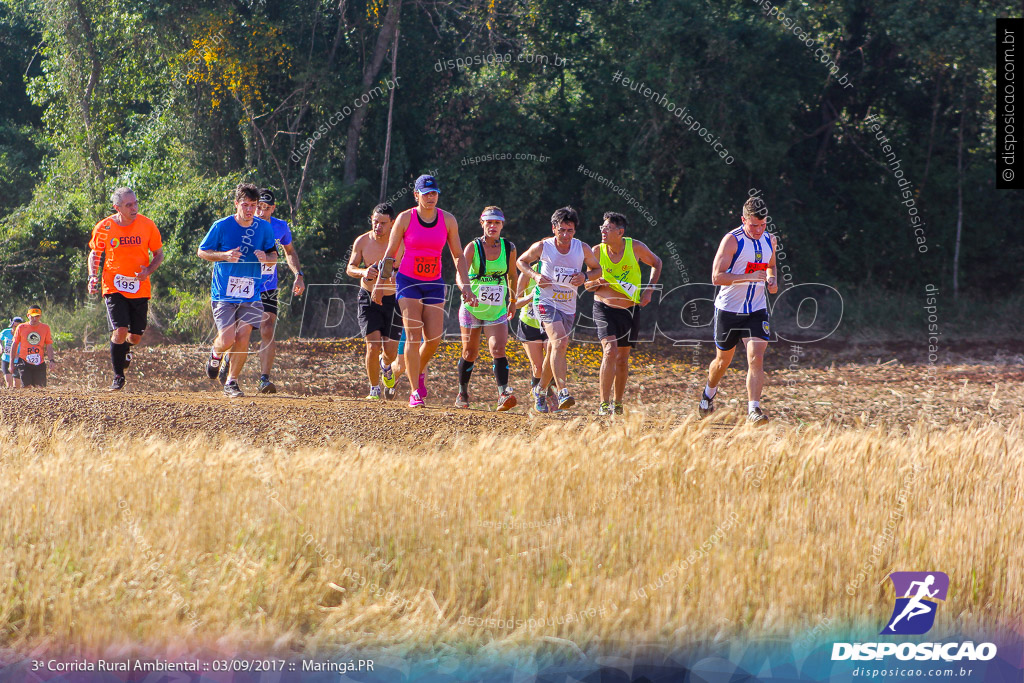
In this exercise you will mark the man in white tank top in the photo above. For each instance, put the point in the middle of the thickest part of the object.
(562, 258)
(744, 268)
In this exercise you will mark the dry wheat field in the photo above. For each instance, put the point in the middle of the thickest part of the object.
(170, 521)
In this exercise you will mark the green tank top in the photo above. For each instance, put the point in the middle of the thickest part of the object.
(490, 287)
(526, 313)
(623, 276)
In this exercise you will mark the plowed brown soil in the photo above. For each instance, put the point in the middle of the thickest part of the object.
(321, 385)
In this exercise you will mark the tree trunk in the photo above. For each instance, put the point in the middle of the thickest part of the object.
(959, 194)
(370, 71)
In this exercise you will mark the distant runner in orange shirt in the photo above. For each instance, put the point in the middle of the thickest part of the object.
(126, 239)
(31, 339)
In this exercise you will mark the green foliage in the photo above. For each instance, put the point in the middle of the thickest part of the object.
(192, 97)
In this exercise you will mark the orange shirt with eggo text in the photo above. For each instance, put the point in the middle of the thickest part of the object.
(31, 341)
(127, 251)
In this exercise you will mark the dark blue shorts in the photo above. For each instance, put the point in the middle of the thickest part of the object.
(429, 291)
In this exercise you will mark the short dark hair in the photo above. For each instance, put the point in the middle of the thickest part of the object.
(755, 207)
(566, 214)
(247, 191)
(617, 218)
(384, 209)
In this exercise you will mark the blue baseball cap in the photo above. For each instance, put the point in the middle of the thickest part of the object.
(427, 183)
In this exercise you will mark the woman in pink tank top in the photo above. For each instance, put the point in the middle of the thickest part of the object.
(424, 231)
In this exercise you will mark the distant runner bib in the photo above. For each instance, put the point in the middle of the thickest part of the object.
(269, 268)
(129, 285)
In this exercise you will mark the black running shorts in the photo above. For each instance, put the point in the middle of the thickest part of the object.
(125, 312)
(731, 327)
(33, 375)
(269, 299)
(383, 317)
(621, 323)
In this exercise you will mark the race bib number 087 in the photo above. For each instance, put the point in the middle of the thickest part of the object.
(426, 267)
(241, 287)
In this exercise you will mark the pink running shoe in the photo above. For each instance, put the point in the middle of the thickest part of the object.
(423, 385)
(415, 401)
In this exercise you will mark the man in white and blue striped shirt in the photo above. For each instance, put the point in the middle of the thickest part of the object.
(745, 270)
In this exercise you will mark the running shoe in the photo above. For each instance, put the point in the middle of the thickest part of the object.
(540, 402)
(423, 385)
(706, 405)
(565, 400)
(462, 400)
(618, 408)
(374, 394)
(223, 376)
(605, 409)
(387, 375)
(231, 389)
(213, 366)
(757, 418)
(117, 384)
(390, 393)
(415, 401)
(265, 386)
(506, 400)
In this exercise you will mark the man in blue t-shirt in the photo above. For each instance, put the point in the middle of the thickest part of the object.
(11, 381)
(268, 295)
(239, 246)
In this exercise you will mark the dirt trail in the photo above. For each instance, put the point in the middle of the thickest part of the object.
(321, 385)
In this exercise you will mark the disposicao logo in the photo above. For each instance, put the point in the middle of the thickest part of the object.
(917, 599)
(914, 612)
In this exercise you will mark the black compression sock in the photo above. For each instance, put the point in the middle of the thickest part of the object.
(117, 356)
(501, 371)
(465, 371)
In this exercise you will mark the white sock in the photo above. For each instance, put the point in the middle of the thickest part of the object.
(709, 391)
(753, 404)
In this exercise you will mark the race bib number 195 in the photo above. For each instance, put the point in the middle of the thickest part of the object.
(128, 285)
(241, 287)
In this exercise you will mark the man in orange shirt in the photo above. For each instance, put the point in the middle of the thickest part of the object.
(126, 239)
(30, 340)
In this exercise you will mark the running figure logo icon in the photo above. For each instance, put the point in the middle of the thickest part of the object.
(917, 596)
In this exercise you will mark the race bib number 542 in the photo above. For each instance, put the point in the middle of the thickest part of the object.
(241, 287)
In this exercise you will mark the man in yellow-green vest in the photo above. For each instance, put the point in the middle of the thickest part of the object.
(618, 298)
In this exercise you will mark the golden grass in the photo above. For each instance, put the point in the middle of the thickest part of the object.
(169, 543)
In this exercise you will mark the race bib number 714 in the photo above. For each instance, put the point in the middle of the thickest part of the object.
(241, 287)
